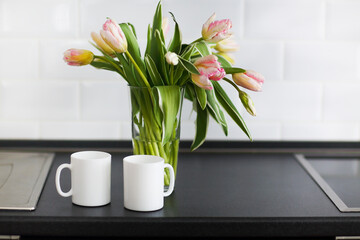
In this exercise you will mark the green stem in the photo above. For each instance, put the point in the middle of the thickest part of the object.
(138, 69)
(233, 84)
(113, 64)
(172, 74)
(136, 147)
(197, 40)
(166, 178)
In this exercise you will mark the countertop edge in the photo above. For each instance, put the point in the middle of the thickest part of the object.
(184, 227)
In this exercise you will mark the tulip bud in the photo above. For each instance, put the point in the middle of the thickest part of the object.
(249, 79)
(171, 58)
(114, 36)
(247, 103)
(78, 57)
(215, 31)
(96, 37)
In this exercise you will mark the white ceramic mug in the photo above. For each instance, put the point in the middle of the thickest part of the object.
(90, 178)
(144, 182)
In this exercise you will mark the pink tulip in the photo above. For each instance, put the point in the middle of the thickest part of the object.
(209, 69)
(78, 57)
(114, 36)
(215, 31)
(249, 79)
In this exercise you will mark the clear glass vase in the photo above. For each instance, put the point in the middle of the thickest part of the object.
(156, 116)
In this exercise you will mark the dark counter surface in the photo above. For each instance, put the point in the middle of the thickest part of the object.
(216, 195)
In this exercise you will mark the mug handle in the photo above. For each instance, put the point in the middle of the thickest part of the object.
(172, 180)
(57, 180)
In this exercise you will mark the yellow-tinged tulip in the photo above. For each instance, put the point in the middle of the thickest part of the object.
(227, 45)
(229, 57)
(78, 57)
(114, 36)
(96, 37)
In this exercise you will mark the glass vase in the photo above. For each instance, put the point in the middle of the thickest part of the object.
(156, 116)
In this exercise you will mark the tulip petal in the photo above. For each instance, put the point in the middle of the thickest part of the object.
(255, 75)
(96, 37)
(114, 36)
(227, 45)
(202, 81)
(243, 80)
(207, 61)
(215, 31)
(207, 23)
(218, 74)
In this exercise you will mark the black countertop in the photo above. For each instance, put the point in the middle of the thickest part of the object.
(216, 195)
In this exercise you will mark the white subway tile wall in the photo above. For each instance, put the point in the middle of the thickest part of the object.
(308, 50)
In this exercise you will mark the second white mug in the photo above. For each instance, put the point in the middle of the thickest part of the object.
(144, 182)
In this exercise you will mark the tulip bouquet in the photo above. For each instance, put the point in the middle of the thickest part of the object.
(159, 80)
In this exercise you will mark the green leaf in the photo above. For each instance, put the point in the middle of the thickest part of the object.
(224, 127)
(175, 45)
(129, 73)
(185, 77)
(161, 63)
(202, 122)
(189, 92)
(133, 29)
(153, 72)
(188, 52)
(145, 104)
(179, 70)
(110, 60)
(231, 70)
(169, 103)
(224, 63)
(214, 107)
(201, 96)
(133, 46)
(188, 66)
(155, 107)
(229, 107)
(103, 65)
(203, 48)
(155, 49)
(148, 43)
